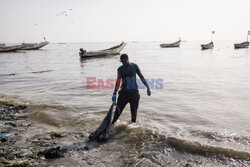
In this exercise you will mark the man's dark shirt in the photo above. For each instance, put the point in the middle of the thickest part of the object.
(128, 74)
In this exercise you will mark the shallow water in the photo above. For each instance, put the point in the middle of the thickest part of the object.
(200, 117)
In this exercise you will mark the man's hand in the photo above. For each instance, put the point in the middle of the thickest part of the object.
(114, 98)
(148, 91)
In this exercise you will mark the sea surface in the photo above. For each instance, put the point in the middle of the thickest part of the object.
(201, 115)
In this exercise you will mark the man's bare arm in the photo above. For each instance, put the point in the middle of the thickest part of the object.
(144, 82)
(142, 79)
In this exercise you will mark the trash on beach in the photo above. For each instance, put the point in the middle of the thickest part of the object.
(3, 137)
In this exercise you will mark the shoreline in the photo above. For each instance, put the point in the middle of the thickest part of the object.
(17, 149)
(71, 148)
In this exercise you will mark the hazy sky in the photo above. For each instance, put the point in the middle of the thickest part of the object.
(128, 20)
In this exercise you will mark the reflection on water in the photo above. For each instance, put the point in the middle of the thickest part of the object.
(202, 110)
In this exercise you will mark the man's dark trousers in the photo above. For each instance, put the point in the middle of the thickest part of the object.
(125, 97)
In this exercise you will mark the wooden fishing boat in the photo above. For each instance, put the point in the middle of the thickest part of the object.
(11, 48)
(207, 46)
(171, 45)
(34, 46)
(241, 45)
(111, 51)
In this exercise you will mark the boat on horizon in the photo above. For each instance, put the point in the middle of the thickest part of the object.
(242, 44)
(111, 51)
(171, 45)
(207, 46)
(34, 46)
(11, 48)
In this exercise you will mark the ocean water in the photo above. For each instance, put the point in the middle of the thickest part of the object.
(200, 116)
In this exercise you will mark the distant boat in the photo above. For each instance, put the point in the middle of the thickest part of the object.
(62, 43)
(34, 46)
(243, 44)
(171, 45)
(111, 51)
(207, 46)
(11, 48)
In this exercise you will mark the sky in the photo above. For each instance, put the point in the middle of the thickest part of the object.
(127, 20)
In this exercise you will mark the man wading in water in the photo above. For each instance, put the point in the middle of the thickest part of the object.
(129, 91)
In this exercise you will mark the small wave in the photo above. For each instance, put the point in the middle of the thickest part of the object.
(205, 150)
(48, 106)
(226, 137)
(11, 74)
(146, 137)
(15, 101)
(42, 71)
(55, 115)
(44, 118)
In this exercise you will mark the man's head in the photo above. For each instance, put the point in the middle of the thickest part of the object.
(124, 59)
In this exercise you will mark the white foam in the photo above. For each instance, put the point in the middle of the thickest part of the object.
(130, 125)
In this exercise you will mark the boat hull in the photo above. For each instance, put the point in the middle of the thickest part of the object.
(34, 46)
(241, 45)
(11, 48)
(171, 45)
(207, 46)
(111, 51)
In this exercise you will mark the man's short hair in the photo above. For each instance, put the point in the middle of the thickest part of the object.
(124, 57)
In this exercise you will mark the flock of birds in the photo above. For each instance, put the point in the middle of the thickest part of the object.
(65, 14)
